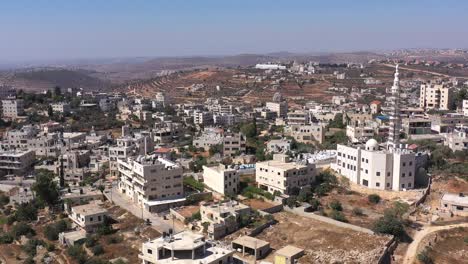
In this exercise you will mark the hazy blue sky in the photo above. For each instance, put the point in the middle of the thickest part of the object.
(55, 29)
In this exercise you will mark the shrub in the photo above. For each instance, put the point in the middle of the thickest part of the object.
(336, 206)
(6, 238)
(314, 204)
(21, 229)
(53, 230)
(389, 224)
(26, 212)
(77, 253)
(338, 216)
(90, 241)
(424, 257)
(357, 211)
(291, 201)
(374, 198)
(97, 250)
(114, 239)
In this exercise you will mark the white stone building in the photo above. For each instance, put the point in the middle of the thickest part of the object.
(306, 133)
(223, 218)
(61, 107)
(16, 162)
(12, 108)
(88, 217)
(183, 248)
(282, 175)
(221, 179)
(436, 96)
(151, 182)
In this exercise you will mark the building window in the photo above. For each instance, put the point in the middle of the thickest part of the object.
(388, 174)
(403, 175)
(365, 183)
(404, 164)
(402, 185)
(367, 171)
(377, 184)
(377, 173)
(150, 251)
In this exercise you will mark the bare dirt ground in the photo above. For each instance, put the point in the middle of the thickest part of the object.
(323, 243)
(258, 204)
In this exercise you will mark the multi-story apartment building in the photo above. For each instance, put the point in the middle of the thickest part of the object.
(223, 218)
(279, 145)
(150, 181)
(61, 107)
(16, 162)
(282, 175)
(30, 137)
(129, 145)
(416, 126)
(203, 118)
(233, 143)
(12, 108)
(280, 108)
(182, 248)
(306, 133)
(221, 179)
(298, 117)
(436, 96)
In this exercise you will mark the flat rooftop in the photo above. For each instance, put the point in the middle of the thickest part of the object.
(289, 251)
(455, 198)
(282, 165)
(250, 242)
(89, 209)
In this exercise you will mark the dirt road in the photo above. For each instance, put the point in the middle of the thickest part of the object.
(423, 71)
(412, 250)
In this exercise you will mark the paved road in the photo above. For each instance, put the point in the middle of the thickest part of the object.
(412, 250)
(157, 222)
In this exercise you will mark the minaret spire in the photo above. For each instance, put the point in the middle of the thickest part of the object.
(395, 122)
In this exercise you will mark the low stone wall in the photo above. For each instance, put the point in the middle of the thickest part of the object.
(257, 230)
(388, 251)
(176, 215)
(274, 209)
(300, 211)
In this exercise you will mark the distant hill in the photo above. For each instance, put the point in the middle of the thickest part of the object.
(46, 78)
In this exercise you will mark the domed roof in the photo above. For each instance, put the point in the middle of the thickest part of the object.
(372, 143)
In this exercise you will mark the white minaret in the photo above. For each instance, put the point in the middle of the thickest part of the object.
(395, 122)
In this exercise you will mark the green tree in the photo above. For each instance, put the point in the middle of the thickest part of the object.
(46, 188)
(374, 198)
(336, 205)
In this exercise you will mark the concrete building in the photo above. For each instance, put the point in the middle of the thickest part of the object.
(458, 139)
(279, 145)
(288, 255)
(359, 133)
(88, 217)
(249, 249)
(30, 137)
(208, 138)
(152, 182)
(282, 175)
(465, 107)
(61, 107)
(16, 162)
(12, 108)
(75, 164)
(447, 122)
(456, 204)
(203, 118)
(376, 168)
(233, 143)
(298, 117)
(221, 179)
(280, 108)
(129, 145)
(436, 96)
(416, 126)
(184, 248)
(306, 133)
(223, 218)
(375, 107)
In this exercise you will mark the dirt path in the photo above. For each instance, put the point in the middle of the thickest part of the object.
(412, 250)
